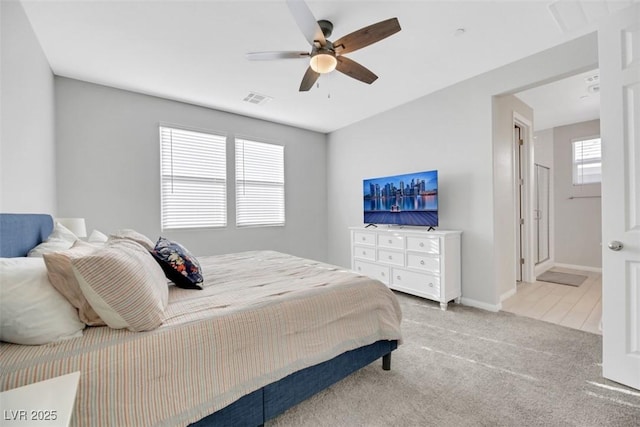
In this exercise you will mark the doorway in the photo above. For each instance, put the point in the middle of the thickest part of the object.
(547, 200)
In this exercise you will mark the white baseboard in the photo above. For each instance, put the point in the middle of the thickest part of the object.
(479, 304)
(579, 267)
(508, 294)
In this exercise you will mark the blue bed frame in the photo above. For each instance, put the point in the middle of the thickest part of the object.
(21, 232)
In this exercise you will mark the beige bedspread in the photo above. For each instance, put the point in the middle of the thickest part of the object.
(261, 316)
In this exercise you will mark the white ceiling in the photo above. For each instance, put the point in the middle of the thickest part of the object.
(570, 100)
(193, 51)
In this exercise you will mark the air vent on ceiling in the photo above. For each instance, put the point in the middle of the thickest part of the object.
(257, 99)
(592, 79)
(593, 83)
(573, 15)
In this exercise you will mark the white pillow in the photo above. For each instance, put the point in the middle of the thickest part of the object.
(32, 312)
(97, 237)
(124, 284)
(60, 239)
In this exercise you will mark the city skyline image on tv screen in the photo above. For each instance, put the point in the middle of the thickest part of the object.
(408, 199)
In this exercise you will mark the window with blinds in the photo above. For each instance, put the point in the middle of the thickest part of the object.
(259, 184)
(194, 179)
(587, 161)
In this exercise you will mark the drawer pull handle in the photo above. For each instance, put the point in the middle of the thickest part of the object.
(421, 262)
(399, 277)
(364, 238)
(359, 268)
(431, 285)
(364, 252)
(390, 256)
(422, 244)
(390, 241)
(382, 274)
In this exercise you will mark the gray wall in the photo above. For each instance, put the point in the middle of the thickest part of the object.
(578, 221)
(109, 169)
(452, 131)
(27, 144)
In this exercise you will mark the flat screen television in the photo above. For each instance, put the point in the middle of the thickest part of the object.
(409, 199)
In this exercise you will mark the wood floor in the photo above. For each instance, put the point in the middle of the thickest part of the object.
(575, 307)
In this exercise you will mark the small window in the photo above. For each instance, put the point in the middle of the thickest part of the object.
(194, 179)
(587, 161)
(259, 184)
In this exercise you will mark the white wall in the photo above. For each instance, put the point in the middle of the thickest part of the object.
(578, 221)
(109, 169)
(505, 110)
(452, 131)
(27, 142)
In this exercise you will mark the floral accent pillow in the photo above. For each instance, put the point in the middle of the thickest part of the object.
(179, 265)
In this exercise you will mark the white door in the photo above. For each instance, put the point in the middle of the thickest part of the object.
(619, 53)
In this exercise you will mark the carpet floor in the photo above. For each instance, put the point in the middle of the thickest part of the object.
(470, 367)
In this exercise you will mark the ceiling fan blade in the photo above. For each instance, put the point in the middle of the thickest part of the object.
(366, 36)
(352, 69)
(266, 56)
(308, 80)
(307, 23)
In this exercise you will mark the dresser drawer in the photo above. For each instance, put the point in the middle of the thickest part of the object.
(364, 252)
(375, 271)
(393, 241)
(364, 238)
(430, 245)
(419, 282)
(391, 257)
(424, 262)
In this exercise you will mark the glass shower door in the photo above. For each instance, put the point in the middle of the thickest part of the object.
(541, 211)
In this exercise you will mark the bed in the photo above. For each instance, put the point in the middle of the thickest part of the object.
(237, 353)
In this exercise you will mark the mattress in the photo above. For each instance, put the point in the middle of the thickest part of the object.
(261, 316)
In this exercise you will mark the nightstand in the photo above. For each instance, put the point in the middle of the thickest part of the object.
(45, 403)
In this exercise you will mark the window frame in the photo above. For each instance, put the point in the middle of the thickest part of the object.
(220, 179)
(240, 183)
(575, 163)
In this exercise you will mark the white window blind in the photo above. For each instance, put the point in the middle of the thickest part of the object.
(587, 161)
(259, 184)
(194, 171)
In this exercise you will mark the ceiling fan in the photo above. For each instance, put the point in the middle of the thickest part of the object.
(326, 56)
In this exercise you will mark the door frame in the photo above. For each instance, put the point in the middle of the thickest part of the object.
(523, 166)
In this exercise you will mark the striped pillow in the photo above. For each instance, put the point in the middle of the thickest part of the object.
(124, 285)
(62, 278)
(130, 234)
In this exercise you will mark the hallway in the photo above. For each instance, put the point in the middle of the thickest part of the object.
(575, 307)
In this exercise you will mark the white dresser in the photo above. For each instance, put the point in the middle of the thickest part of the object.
(411, 260)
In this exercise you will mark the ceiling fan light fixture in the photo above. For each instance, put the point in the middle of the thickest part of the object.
(323, 63)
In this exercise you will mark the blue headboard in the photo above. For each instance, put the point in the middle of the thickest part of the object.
(19, 233)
